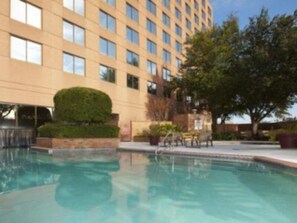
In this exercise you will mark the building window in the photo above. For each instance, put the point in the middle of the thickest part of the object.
(196, 6)
(203, 27)
(178, 63)
(110, 2)
(132, 58)
(209, 11)
(107, 48)
(203, 14)
(203, 3)
(25, 50)
(178, 30)
(166, 74)
(166, 19)
(178, 1)
(178, 14)
(73, 33)
(77, 6)
(132, 12)
(166, 3)
(132, 35)
(151, 7)
(187, 37)
(151, 88)
(151, 26)
(166, 56)
(196, 19)
(188, 9)
(107, 74)
(107, 21)
(178, 46)
(132, 81)
(166, 38)
(209, 22)
(151, 67)
(151, 47)
(73, 64)
(25, 13)
(188, 24)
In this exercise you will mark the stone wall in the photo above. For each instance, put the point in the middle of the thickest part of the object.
(78, 143)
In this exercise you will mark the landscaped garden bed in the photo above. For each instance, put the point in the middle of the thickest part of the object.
(80, 121)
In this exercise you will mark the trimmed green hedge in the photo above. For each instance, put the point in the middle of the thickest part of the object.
(52, 130)
(225, 136)
(82, 105)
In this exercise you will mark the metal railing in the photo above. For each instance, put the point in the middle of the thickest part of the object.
(170, 140)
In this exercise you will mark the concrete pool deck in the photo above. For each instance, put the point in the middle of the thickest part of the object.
(271, 153)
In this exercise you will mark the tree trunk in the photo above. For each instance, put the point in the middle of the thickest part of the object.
(255, 128)
(214, 120)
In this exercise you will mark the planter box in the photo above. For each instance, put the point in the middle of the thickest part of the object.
(288, 141)
(154, 140)
(77, 143)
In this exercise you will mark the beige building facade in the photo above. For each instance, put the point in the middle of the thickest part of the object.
(126, 48)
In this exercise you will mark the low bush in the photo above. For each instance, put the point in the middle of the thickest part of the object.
(160, 129)
(225, 136)
(54, 130)
(287, 128)
(274, 134)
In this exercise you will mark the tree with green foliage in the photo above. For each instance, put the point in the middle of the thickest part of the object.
(206, 71)
(266, 67)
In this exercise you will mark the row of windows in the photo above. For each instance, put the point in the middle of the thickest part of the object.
(30, 14)
(29, 51)
(76, 34)
(151, 6)
(26, 50)
(77, 6)
(109, 74)
(188, 7)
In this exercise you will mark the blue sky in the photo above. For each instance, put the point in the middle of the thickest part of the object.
(244, 9)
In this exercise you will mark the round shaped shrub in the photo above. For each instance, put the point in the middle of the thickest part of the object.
(82, 105)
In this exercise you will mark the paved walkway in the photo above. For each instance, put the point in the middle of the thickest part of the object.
(268, 153)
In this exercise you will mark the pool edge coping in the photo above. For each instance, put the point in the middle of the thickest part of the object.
(263, 159)
(164, 151)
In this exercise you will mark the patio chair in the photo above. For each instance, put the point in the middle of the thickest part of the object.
(172, 138)
(204, 137)
(190, 138)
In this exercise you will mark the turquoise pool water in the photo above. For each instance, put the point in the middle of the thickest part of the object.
(137, 188)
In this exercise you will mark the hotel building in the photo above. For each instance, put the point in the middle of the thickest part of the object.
(125, 48)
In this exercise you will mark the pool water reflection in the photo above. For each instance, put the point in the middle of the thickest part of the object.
(132, 187)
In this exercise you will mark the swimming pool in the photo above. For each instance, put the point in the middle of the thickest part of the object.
(131, 187)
